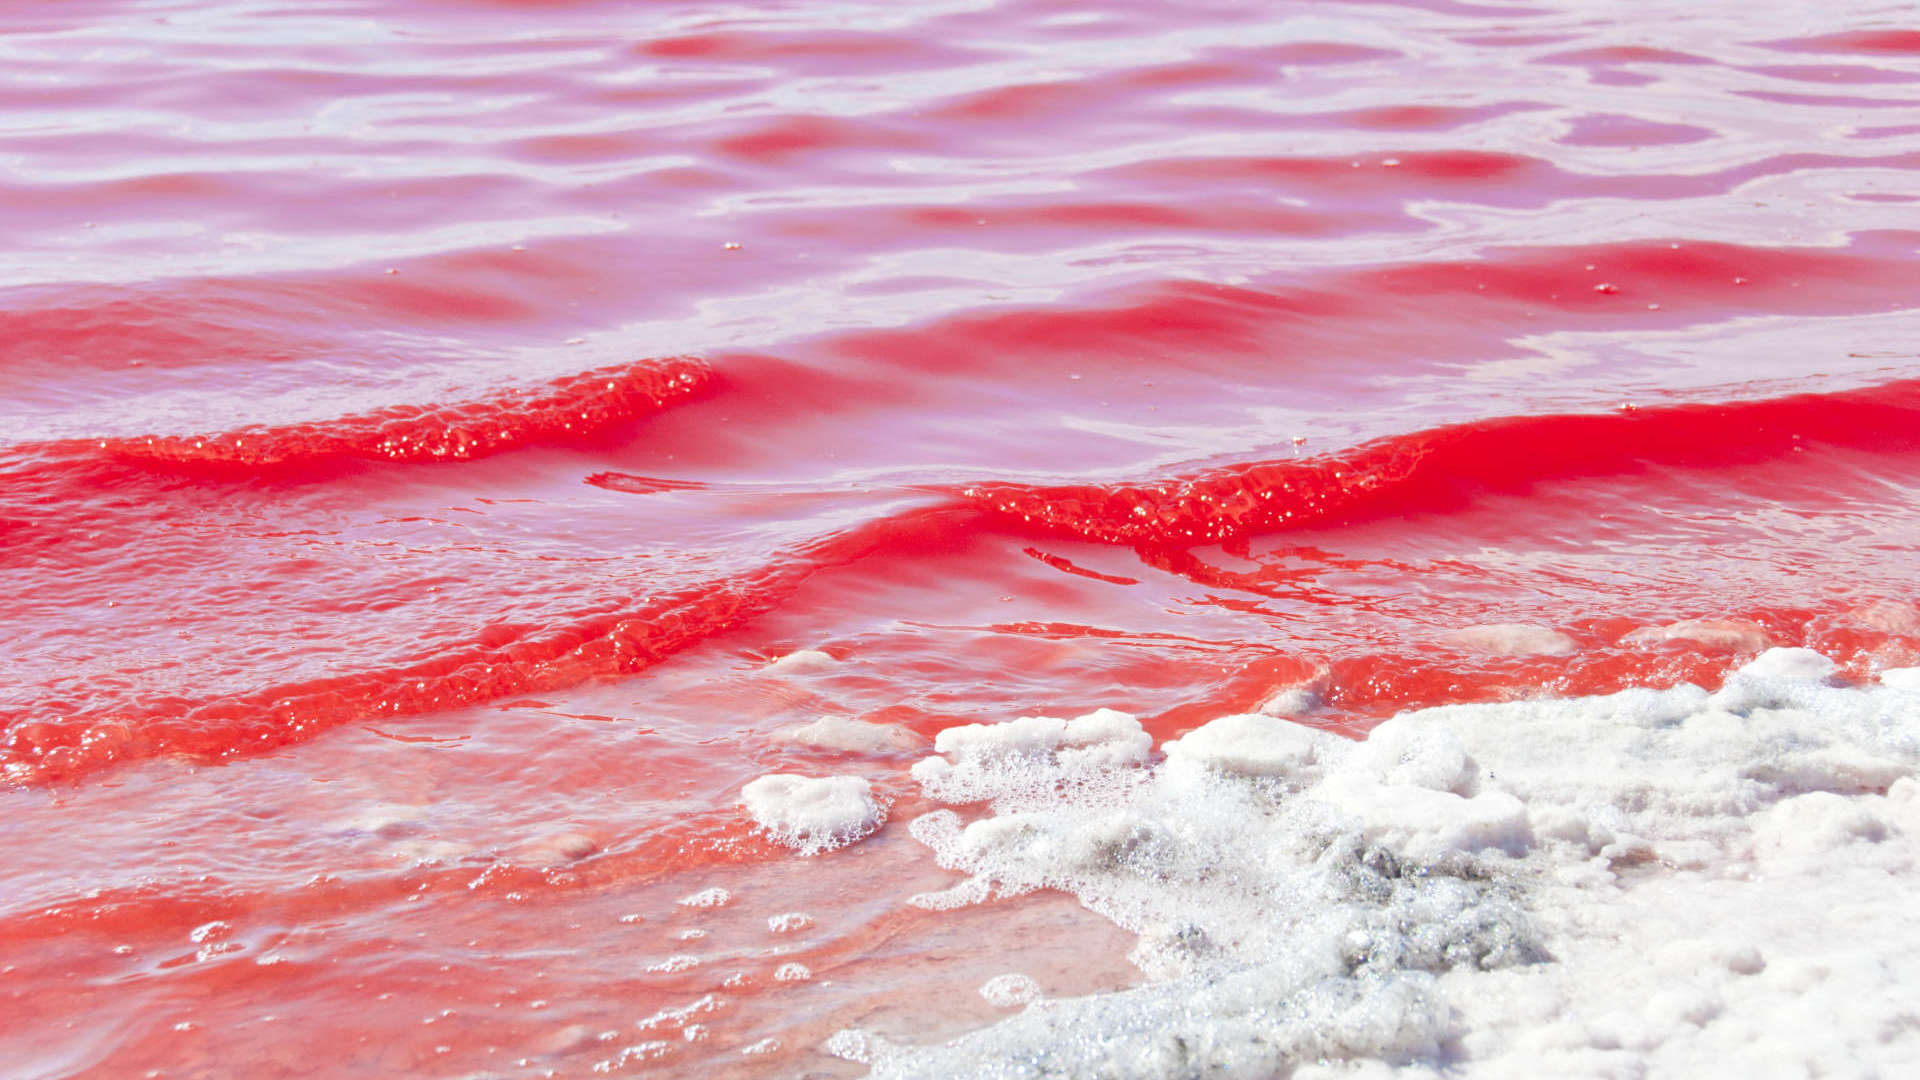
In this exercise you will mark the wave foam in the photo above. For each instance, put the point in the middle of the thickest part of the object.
(1650, 881)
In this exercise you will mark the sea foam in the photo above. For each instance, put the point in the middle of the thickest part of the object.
(812, 814)
(1652, 882)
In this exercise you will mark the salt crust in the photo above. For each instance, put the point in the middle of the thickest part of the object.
(789, 922)
(851, 736)
(802, 661)
(1513, 639)
(710, 897)
(1651, 883)
(1010, 991)
(1726, 635)
(813, 814)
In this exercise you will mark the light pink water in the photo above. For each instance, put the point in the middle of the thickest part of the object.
(424, 422)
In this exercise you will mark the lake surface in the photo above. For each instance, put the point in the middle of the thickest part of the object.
(449, 450)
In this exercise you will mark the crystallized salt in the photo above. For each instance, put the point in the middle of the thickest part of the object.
(789, 922)
(1010, 991)
(993, 760)
(1726, 635)
(1252, 745)
(710, 897)
(851, 736)
(1513, 639)
(813, 814)
(1901, 678)
(802, 661)
(1667, 883)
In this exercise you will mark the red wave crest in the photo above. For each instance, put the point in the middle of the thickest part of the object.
(501, 661)
(558, 411)
(1439, 469)
(47, 745)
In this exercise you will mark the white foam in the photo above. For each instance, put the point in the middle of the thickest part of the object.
(813, 814)
(1667, 883)
(1901, 678)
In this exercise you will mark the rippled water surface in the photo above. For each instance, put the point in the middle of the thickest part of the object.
(427, 427)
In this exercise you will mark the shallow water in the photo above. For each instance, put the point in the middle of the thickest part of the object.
(428, 425)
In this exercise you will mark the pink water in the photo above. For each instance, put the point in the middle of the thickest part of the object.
(424, 422)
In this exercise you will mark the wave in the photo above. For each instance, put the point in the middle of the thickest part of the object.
(1442, 468)
(500, 661)
(1426, 472)
(561, 411)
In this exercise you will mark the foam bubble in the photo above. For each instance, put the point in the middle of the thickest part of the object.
(1670, 882)
(813, 814)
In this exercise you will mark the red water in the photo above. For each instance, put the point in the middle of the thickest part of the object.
(424, 422)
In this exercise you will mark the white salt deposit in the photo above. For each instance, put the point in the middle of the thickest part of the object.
(813, 814)
(710, 897)
(556, 848)
(788, 922)
(1010, 991)
(852, 736)
(802, 661)
(1726, 635)
(1902, 678)
(1893, 616)
(682, 1015)
(1290, 701)
(1297, 698)
(1651, 883)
